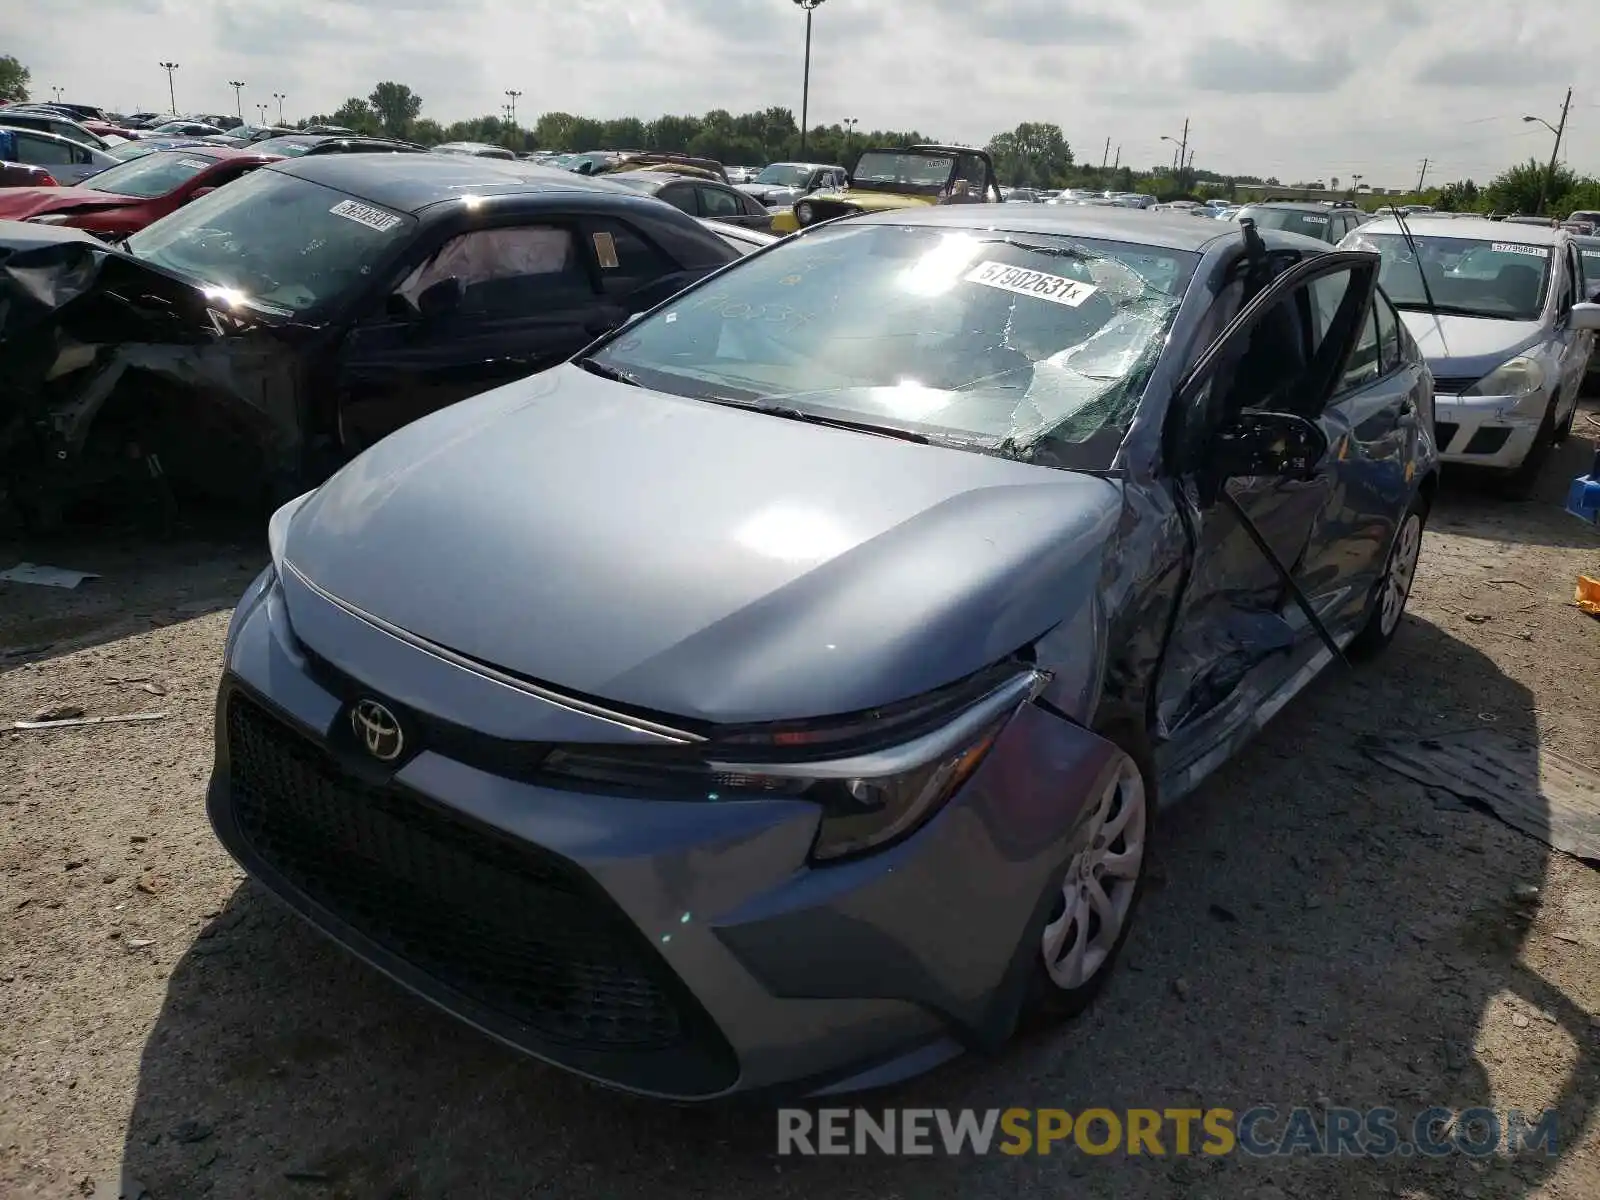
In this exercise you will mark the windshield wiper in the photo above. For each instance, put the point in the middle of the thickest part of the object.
(810, 418)
(612, 373)
(1452, 310)
(1416, 255)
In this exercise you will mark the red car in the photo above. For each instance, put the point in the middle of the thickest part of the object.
(124, 199)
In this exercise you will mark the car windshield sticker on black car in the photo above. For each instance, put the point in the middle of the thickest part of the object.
(1313, 219)
(1057, 289)
(605, 249)
(199, 164)
(1516, 248)
(365, 214)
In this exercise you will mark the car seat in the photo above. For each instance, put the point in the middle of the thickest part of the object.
(1518, 286)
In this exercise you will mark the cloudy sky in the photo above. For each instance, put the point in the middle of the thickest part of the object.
(1270, 87)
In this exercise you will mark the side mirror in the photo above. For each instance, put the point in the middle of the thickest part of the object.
(1586, 316)
(441, 299)
(1277, 445)
(198, 192)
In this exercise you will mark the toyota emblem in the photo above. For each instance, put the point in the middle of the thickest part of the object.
(378, 730)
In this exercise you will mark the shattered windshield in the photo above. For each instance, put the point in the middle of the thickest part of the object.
(908, 169)
(784, 175)
(152, 174)
(1028, 346)
(281, 243)
(1506, 280)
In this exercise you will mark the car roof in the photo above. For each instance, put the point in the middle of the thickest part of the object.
(1480, 228)
(1310, 206)
(1586, 241)
(649, 180)
(412, 182)
(1112, 224)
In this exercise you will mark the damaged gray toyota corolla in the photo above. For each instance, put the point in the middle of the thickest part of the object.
(781, 693)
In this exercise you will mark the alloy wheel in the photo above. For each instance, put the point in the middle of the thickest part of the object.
(1402, 572)
(1100, 884)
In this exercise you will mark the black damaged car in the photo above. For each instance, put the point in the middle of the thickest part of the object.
(252, 342)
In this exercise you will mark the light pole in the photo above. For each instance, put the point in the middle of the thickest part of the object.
(238, 87)
(512, 94)
(810, 7)
(1549, 179)
(1180, 159)
(172, 96)
(57, 91)
(850, 124)
(262, 109)
(280, 98)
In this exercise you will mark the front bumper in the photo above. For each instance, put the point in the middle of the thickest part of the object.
(678, 950)
(1482, 431)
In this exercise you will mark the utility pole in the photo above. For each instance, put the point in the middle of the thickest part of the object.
(1547, 184)
(1183, 148)
(1423, 175)
(238, 88)
(172, 96)
(1117, 166)
(1106, 157)
(810, 7)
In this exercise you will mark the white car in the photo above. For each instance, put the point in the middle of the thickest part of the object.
(1501, 313)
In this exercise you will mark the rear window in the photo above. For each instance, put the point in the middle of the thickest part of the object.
(1291, 220)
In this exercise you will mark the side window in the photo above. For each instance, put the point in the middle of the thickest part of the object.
(505, 272)
(82, 156)
(680, 196)
(627, 261)
(1388, 333)
(714, 202)
(752, 206)
(43, 151)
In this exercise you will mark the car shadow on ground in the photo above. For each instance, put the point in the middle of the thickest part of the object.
(140, 583)
(1321, 931)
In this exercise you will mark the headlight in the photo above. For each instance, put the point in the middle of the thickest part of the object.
(1517, 377)
(50, 219)
(869, 799)
(804, 213)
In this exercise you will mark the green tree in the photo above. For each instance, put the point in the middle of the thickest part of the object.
(396, 106)
(355, 113)
(1034, 154)
(13, 79)
(1461, 196)
(1518, 189)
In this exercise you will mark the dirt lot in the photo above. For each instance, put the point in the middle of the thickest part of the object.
(1324, 932)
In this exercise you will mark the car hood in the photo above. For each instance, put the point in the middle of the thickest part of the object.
(870, 201)
(766, 192)
(1461, 346)
(18, 204)
(680, 557)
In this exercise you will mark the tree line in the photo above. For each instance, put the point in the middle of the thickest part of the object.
(1034, 154)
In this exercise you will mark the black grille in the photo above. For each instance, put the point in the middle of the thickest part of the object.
(1444, 432)
(1453, 385)
(1488, 440)
(513, 928)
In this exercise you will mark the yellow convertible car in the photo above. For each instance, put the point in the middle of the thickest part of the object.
(900, 178)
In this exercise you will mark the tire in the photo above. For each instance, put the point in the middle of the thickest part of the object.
(1522, 479)
(1057, 991)
(1394, 589)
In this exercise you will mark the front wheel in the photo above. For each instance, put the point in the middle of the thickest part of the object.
(1099, 892)
(1394, 589)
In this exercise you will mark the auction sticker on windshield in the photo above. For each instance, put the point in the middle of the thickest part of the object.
(1312, 219)
(199, 164)
(1057, 289)
(1518, 248)
(365, 214)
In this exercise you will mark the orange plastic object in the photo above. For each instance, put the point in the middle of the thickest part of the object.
(1587, 595)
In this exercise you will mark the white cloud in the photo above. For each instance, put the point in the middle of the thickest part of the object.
(1367, 86)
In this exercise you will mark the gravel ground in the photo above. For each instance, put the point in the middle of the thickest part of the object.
(1322, 931)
